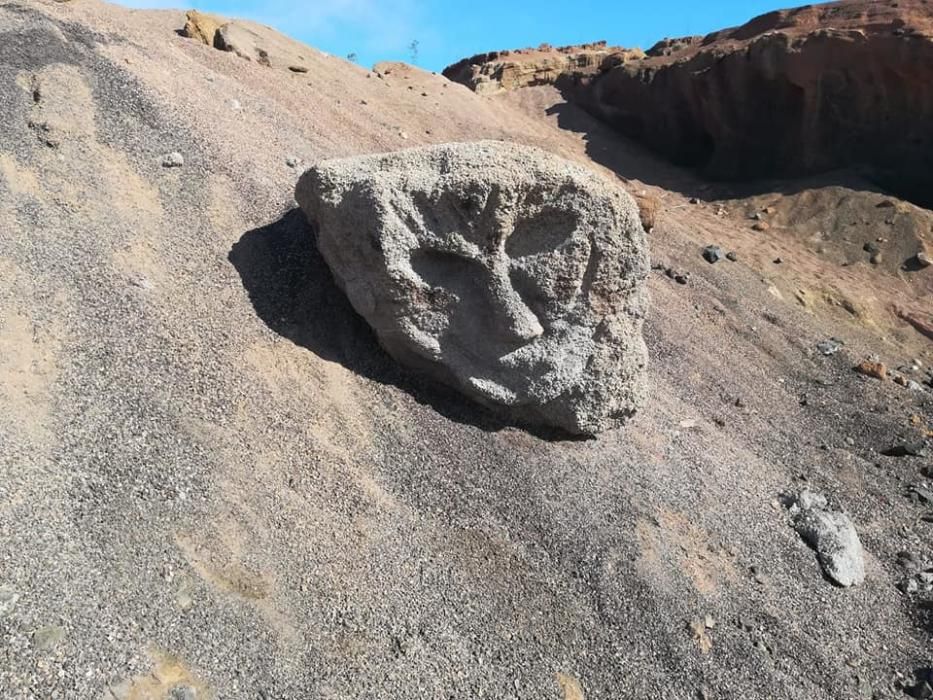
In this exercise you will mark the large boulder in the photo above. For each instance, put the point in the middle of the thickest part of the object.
(500, 269)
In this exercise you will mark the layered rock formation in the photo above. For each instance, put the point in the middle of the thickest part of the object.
(506, 70)
(846, 84)
(841, 85)
(503, 270)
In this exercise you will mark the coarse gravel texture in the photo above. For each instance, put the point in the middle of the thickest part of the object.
(214, 484)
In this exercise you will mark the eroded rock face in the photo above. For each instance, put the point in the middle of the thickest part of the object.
(842, 84)
(545, 65)
(505, 271)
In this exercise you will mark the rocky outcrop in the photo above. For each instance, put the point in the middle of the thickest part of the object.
(248, 40)
(840, 85)
(506, 70)
(202, 26)
(500, 269)
(847, 84)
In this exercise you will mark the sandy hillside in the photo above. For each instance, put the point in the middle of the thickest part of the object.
(214, 484)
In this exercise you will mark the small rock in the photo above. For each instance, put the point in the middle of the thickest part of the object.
(731, 255)
(173, 160)
(878, 370)
(778, 261)
(183, 692)
(923, 688)
(833, 536)
(876, 258)
(829, 347)
(677, 276)
(761, 226)
(234, 104)
(871, 247)
(8, 600)
(298, 69)
(756, 216)
(694, 200)
(713, 254)
(47, 638)
(293, 161)
(403, 135)
(924, 259)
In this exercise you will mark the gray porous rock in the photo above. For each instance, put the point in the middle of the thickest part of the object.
(833, 536)
(500, 269)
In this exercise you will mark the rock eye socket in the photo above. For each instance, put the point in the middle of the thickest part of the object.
(438, 268)
(544, 232)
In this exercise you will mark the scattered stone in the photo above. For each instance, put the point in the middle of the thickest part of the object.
(677, 276)
(298, 69)
(778, 261)
(871, 247)
(924, 259)
(173, 160)
(829, 347)
(701, 636)
(8, 600)
(731, 255)
(426, 244)
(713, 254)
(756, 216)
(694, 200)
(833, 536)
(293, 161)
(758, 575)
(921, 493)
(761, 226)
(876, 258)
(183, 692)
(869, 368)
(47, 638)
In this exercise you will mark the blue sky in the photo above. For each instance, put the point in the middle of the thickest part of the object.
(447, 31)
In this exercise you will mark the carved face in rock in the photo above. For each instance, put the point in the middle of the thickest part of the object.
(504, 269)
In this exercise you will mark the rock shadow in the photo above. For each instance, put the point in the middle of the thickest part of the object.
(294, 293)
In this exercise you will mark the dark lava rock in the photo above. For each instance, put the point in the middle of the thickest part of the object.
(713, 254)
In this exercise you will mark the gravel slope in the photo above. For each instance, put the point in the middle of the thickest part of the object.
(213, 483)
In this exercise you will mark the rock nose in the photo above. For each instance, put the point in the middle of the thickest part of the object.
(515, 322)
